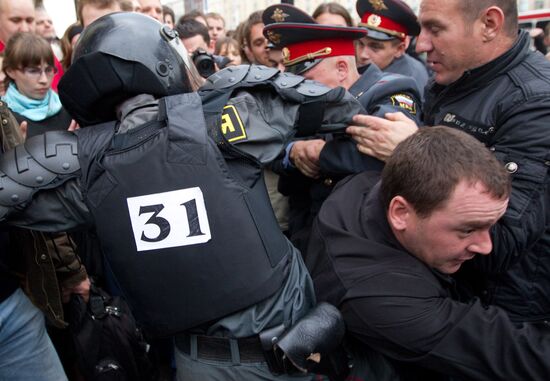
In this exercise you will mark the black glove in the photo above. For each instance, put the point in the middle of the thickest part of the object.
(313, 343)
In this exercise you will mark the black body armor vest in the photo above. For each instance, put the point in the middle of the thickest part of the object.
(187, 229)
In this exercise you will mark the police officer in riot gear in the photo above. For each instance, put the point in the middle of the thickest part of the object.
(171, 180)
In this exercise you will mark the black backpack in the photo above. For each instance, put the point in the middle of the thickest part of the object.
(109, 345)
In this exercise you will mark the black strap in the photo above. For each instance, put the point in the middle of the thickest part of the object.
(310, 118)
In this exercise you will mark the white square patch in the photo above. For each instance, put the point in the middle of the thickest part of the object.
(169, 219)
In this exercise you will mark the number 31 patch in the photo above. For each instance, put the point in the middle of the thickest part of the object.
(169, 219)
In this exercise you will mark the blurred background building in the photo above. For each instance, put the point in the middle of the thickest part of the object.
(234, 11)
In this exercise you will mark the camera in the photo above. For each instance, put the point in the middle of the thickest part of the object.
(206, 62)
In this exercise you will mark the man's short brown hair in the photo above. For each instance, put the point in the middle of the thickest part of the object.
(426, 168)
(472, 9)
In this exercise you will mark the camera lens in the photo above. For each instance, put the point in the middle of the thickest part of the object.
(204, 63)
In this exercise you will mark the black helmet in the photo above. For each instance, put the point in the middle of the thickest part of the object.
(118, 56)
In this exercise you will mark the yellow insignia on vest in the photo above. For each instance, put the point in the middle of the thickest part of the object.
(378, 5)
(279, 15)
(405, 102)
(232, 126)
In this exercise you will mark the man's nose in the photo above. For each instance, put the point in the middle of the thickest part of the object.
(423, 43)
(482, 243)
(25, 27)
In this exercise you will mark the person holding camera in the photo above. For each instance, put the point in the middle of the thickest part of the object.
(196, 40)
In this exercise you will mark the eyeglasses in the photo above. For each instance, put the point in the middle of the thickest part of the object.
(36, 72)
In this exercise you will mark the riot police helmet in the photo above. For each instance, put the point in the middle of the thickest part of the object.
(121, 55)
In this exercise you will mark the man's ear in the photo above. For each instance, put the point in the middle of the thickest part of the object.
(343, 69)
(399, 213)
(401, 49)
(492, 21)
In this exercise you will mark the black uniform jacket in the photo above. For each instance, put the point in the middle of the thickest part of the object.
(379, 93)
(506, 105)
(396, 305)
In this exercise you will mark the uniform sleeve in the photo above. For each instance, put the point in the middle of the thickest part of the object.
(53, 210)
(261, 123)
(407, 319)
(340, 156)
(522, 144)
(393, 93)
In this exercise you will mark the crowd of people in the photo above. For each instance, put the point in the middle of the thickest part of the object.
(325, 196)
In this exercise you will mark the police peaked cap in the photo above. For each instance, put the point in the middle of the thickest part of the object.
(387, 19)
(305, 43)
(285, 13)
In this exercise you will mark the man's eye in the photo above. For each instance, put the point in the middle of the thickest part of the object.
(467, 232)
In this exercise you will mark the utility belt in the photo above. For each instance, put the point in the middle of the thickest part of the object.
(312, 345)
(235, 351)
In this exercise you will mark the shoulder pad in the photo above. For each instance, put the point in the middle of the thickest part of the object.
(259, 73)
(226, 78)
(12, 193)
(36, 164)
(19, 164)
(288, 80)
(56, 151)
(312, 88)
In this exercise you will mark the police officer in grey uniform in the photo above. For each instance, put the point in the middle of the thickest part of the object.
(171, 181)
(325, 53)
(389, 25)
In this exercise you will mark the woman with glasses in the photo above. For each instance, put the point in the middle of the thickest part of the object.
(29, 68)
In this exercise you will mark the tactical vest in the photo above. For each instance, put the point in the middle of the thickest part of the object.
(187, 238)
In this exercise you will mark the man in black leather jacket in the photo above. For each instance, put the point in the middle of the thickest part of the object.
(489, 84)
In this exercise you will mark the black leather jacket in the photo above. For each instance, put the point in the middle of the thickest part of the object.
(506, 105)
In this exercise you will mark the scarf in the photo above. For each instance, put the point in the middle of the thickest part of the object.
(32, 109)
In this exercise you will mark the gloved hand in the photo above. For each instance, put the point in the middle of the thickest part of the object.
(313, 337)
